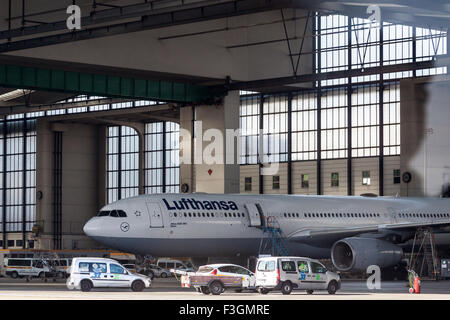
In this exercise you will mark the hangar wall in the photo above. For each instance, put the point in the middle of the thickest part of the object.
(72, 189)
(425, 135)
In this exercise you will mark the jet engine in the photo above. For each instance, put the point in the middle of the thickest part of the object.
(356, 254)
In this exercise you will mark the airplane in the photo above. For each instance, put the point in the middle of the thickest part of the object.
(355, 231)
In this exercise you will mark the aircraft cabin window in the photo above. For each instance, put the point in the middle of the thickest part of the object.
(175, 214)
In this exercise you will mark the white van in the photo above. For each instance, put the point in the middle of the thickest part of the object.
(294, 273)
(170, 264)
(26, 267)
(88, 273)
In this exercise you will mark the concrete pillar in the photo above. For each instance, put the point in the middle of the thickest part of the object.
(208, 169)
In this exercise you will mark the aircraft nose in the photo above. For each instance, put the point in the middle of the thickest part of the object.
(91, 227)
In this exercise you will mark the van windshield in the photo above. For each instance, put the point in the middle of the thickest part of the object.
(266, 265)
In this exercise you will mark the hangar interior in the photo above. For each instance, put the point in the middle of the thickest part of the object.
(343, 103)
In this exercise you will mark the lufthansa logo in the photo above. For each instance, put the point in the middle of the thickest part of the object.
(124, 227)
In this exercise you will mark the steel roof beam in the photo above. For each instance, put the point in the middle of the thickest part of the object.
(57, 80)
(442, 61)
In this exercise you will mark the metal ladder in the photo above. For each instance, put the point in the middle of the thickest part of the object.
(273, 239)
(426, 253)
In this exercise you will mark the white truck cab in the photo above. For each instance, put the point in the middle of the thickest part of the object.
(88, 273)
(294, 273)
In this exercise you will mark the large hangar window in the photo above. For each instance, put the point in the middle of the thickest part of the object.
(365, 121)
(161, 165)
(347, 117)
(334, 123)
(304, 126)
(391, 119)
(162, 160)
(331, 37)
(249, 125)
(17, 174)
(275, 127)
(123, 163)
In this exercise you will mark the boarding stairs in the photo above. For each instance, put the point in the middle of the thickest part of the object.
(272, 241)
(423, 253)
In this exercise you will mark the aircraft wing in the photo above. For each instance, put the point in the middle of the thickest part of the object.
(332, 233)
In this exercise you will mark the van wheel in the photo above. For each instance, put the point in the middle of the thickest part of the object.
(309, 291)
(205, 290)
(14, 275)
(332, 287)
(86, 285)
(286, 288)
(163, 275)
(216, 288)
(263, 291)
(137, 286)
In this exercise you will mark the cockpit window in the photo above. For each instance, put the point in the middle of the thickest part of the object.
(112, 213)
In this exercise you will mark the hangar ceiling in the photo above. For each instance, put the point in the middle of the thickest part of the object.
(200, 42)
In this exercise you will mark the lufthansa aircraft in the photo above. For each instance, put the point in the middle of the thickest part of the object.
(355, 231)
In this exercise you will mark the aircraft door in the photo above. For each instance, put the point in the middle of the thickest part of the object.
(155, 215)
(255, 214)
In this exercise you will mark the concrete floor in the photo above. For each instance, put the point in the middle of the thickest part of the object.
(169, 289)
